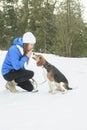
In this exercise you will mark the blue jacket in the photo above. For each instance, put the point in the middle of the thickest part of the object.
(14, 59)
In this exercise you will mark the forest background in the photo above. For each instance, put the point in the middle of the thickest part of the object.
(59, 26)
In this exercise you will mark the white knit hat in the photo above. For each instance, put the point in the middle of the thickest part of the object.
(28, 37)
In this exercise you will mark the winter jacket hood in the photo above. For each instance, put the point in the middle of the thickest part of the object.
(18, 41)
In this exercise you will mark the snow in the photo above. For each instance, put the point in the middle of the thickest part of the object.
(44, 111)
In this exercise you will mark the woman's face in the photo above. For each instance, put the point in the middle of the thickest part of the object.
(28, 47)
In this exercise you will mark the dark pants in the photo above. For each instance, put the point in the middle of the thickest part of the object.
(21, 77)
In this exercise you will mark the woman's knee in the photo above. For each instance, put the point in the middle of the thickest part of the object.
(27, 85)
(31, 74)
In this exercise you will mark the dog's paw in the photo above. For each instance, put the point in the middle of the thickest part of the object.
(53, 92)
(50, 91)
(64, 91)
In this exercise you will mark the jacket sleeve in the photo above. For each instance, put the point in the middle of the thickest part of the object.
(16, 58)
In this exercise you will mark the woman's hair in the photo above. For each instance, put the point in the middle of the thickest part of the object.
(25, 49)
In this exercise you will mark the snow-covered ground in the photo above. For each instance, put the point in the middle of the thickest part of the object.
(43, 111)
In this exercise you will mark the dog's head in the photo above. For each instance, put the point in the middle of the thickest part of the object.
(40, 60)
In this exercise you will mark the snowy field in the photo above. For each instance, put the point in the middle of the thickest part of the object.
(44, 111)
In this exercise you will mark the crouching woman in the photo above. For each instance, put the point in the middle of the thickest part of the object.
(13, 67)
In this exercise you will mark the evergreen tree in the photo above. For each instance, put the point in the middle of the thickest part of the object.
(69, 27)
(42, 23)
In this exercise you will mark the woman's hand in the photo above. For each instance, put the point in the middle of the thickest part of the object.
(29, 53)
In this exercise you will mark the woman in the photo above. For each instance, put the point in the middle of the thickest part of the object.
(13, 68)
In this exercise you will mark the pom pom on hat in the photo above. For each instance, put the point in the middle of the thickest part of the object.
(28, 37)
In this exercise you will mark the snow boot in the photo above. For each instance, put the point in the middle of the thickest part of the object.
(34, 83)
(11, 85)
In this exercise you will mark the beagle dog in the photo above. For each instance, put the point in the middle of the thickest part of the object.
(56, 80)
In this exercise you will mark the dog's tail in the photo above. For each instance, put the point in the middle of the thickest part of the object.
(72, 88)
(68, 88)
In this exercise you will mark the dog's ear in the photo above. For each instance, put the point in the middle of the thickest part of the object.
(40, 62)
(40, 57)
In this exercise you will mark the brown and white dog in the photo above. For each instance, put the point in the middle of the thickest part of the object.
(56, 80)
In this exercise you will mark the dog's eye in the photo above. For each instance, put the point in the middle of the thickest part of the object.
(40, 57)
